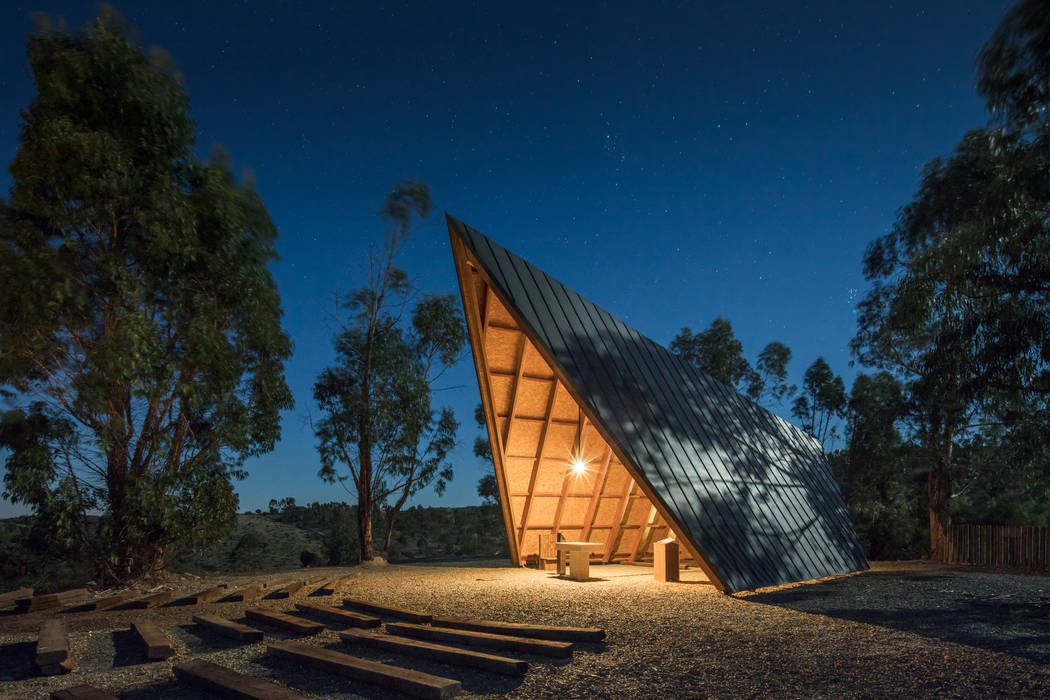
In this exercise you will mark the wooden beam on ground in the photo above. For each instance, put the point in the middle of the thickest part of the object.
(52, 648)
(103, 603)
(231, 684)
(208, 595)
(246, 594)
(386, 610)
(345, 616)
(643, 537)
(405, 680)
(50, 601)
(287, 590)
(82, 692)
(157, 643)
(329, 587)
(536, 464)
(564, 634)
(592, 505)
(484, 640)
(437, 652)
(152, 601)
(284, 621)
(14, 596)
(229, 628)
(622, 511)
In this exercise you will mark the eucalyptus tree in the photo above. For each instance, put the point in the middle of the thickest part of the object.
(378, 434)
(140, 328)
(821, 402)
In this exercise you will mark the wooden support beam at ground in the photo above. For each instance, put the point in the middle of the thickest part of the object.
(82, 692)
(287, 590)
(484, 640)
(437, 652)
(152, 601)
(519, 629)
(536, 464)
(103, 603)
(284, 621)
(208, 595)
(50, 601)
(229, 628)
(52, 648)
(592, 505)
(228, 683)
(386, 610)
(345, 616)
(153, 638)
(405, 680)
(12, 597)
(329, 587)
(246, 594)
(622, 512)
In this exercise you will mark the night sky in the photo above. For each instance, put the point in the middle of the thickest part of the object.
(673, 165)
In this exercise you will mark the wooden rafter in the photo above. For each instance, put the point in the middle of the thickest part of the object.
(622, 511)
(475, 330)
(643, 537)
(568, 476)
(536, 465)
(523, 344)
(592, 506)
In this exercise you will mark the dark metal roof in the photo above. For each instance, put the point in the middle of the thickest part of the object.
(754, 493)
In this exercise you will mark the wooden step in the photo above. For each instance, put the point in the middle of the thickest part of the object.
(14, 596)
(345, 616)
(246, 594)
(437, 652)
(517, 629)
(228, 683)
(157, 644)
(288, 622)
(51, 601)
(386, 610)
(229, 628)
(405, 680)
(208, 595)
(52, 648)
(151, 601)
(486, 640)
(82, 692)
(287, 590)
(103, 603)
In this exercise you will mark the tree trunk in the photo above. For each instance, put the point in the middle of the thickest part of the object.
(938, 492)
(364, 522)
(391, 515)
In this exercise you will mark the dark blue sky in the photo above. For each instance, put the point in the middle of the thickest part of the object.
(672, 164)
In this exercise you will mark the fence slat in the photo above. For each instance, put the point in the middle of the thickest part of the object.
(999, 546)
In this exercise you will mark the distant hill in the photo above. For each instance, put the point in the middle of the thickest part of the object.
(287, 536)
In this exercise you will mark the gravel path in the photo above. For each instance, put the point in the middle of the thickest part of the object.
(904, 629)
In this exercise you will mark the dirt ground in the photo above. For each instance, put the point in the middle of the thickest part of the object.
(902, 629)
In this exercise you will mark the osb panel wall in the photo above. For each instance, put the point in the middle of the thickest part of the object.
(541, 430)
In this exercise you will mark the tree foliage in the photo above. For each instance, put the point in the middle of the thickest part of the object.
(960, 309)
(822, 401)
(377, 421)
(139, 325)
(718, 352)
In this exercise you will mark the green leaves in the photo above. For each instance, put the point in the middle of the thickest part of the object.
(139, 307)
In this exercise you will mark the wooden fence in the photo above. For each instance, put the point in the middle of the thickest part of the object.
(1002, 546)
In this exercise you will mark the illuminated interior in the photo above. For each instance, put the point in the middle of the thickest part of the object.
(556, 473)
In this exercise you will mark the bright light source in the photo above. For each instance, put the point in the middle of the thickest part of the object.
(578, 466)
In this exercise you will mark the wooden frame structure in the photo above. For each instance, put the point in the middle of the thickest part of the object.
(581, 447)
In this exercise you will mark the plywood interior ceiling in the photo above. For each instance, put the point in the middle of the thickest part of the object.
(540, 431)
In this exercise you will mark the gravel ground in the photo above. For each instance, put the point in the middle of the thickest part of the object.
(904, 629)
